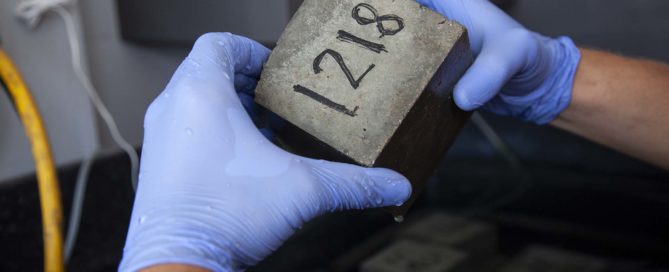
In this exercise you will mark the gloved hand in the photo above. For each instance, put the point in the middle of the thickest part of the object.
(213, 191)
(516, 73)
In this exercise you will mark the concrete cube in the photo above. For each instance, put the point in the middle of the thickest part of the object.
(371, 80)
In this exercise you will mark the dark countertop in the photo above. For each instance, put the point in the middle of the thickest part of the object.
(621, 217)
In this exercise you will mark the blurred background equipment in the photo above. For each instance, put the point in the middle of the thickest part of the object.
(180, 22)
(531, 185)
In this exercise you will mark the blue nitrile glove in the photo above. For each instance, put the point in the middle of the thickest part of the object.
(213, 191)
(516, 73)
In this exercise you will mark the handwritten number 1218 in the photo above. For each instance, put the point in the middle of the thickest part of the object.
(350, 38)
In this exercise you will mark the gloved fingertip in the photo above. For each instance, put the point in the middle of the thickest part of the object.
(426, 3)
(463, 99)
(484, 79)
(393, 188)
(383, 173)
(257, 55)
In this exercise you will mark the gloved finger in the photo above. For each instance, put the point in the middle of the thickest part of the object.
(249, 104)
(458, 11)
(204, 82)
(250, 57)
(246, 84)
(255, 112)
(346, 187)
(270, 119)
(444, 7)
(493, 68)
(481, 18)
(224, 55)
(451, 9)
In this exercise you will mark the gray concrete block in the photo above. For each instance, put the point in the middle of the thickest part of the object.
(545, 259)
(412, 256)
(476, 238)
(372, 80)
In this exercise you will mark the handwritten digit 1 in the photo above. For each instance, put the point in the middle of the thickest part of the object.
(372, 46)
(325, 101)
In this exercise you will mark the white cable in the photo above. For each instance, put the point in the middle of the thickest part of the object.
(77, 206)
(525, 177)
(93, 95)
(31, 11)
(491, 135)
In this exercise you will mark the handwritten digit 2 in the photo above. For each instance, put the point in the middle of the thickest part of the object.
(355, 83)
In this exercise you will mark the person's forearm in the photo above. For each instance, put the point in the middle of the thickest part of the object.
(621, 103)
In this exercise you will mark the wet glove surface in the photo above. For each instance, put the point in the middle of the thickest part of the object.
(213, 191)
(517, 72)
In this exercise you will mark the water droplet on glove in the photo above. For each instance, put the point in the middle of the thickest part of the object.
(194, 63)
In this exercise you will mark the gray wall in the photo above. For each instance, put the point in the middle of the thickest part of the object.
(43, 58)
(128, 77)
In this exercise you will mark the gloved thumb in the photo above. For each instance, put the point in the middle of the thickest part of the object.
(346, 187)
(492, 69)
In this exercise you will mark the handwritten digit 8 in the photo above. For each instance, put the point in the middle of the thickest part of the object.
(378, 19)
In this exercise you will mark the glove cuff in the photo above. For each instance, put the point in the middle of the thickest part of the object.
(553, 69)
(558, 86)
(157, 239)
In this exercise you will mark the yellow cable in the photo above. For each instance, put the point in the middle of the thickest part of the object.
(52, 212)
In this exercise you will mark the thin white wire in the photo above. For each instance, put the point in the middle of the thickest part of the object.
(497, 142)
(77, 206)
(31, 11)
(93, 94)
(525, 178)
(82, 178)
